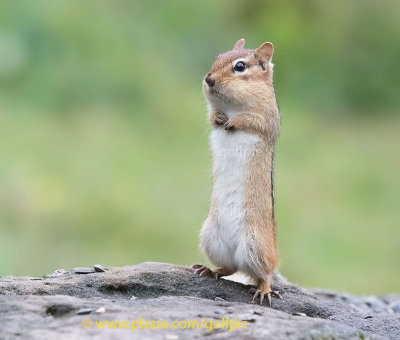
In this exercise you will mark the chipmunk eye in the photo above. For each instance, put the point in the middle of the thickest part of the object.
(240, 66)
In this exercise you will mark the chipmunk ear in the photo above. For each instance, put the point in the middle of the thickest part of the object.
(239, 44)
(264, 52)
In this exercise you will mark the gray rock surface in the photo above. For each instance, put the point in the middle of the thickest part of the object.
(56, 306)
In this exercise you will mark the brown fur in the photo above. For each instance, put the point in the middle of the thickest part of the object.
(254, 94)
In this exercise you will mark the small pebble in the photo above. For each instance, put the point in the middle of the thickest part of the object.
(219, 299)
(375, 304)
(83, 270)
(85, 311)
(8, 278)
(299, 314)
(100, 310)
(230, 310)
(171, 337)
(99, 268)
(56, 273)
(395, 307)
(258, 311)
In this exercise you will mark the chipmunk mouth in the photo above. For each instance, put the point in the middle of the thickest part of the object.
(214, 93)
(218, 94)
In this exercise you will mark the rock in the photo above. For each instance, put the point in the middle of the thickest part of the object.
(395, 307)
(84, 311)
(217, 298)
(83, 270)
(101, 310)
(48, 308)
(99, 268)
(299, 314)
(393, 302)
(56, 273)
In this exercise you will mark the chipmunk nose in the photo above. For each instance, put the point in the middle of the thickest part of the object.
(209, 81)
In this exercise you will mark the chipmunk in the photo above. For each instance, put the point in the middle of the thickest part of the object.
(239, 233)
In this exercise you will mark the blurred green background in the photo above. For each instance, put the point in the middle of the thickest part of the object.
(104, 140)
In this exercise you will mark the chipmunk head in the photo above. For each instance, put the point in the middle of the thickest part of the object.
(240, 77)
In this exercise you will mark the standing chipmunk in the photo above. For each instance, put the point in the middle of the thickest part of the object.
(239, 233)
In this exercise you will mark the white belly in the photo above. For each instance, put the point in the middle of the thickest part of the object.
(232, 152)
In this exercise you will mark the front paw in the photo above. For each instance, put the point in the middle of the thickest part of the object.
(229, 126)
(220, 118)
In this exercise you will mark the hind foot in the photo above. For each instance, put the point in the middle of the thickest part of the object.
(263, 289)
(262, 294)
